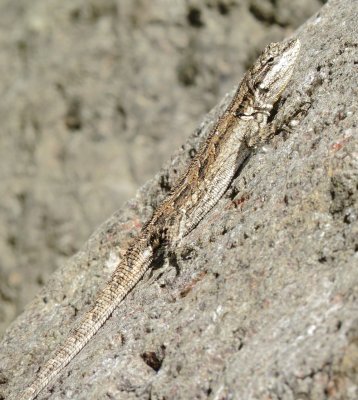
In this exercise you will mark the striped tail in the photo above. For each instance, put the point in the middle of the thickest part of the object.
(124, 278)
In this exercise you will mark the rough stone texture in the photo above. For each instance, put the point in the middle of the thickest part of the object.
(265, 305)
(95, 95)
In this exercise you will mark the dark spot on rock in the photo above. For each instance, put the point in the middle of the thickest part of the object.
(187, 72)
(194, 17)
(12, 240)
(322, 259)
(3, 378)
(75, 14)
(73, 119)
(223, 8)
(153, 360)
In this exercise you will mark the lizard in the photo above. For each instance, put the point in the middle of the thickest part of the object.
(243, 126)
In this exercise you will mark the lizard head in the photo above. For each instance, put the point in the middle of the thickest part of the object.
(268, 77)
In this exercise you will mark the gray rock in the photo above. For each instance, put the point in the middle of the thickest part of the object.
(265, 305)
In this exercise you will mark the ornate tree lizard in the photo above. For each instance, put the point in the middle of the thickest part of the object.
(243, 126)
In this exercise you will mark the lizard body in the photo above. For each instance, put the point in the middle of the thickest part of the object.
(243, 126)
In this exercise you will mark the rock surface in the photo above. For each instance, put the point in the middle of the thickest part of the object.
(265, 305)
(95, 95)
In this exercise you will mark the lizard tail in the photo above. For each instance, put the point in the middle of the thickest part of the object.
(124, 278)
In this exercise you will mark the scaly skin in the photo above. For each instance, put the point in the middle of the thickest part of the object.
(241, 127)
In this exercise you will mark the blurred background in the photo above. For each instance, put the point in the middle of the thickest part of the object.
(95, 96)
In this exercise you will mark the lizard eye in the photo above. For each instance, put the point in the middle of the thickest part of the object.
(270, 60)
(240, 110)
